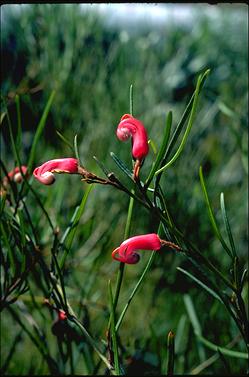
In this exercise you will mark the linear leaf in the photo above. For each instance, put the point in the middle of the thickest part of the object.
(65, 140)
(122, 165)
(68, 237)
(189, 125)
(183, 120)
(227, 225)
(170, 353)
(195, 323)
(39, 130)
(209, 290)
(211, 215)
(113, 332)
(225, 351)
(101, 165)
(131, 99)
(162, 150)
(19, 123)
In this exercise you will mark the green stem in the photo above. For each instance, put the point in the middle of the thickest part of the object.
(91, 341)
(225, 351)
(135, 290)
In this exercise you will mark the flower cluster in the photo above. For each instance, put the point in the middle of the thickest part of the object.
(128, 127)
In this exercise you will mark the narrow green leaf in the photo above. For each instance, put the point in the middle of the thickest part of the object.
(2, 116)
(131, 99)
(76, 149)
(225, 351)
(188, 128)
(36, 340)
(170, 353)
(181, 124)
(227, 110)
(113, 332)
(195, 323)
(211, 215)
(243, 278)
(181, 334)
(67, 142)
(129, 216)
(209, 290)
(162, 150)
(92, 342)
(227, 225)
(10, 251)
(2, 202)
(153, 146)
(13, 144)
(39, 130)
(19, 123)
(68, 237)
(192, 314)
(122, 166)
(137, 286)
(102, 166)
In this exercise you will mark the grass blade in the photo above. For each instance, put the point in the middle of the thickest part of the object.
(10, 251)
(102, 166)
(19, 123)
(131, 99)
(39, 130)
(189, 126)
(211, 215)
(114, 332)
(195, 323)
(121, 165)
(68, 237)
(162, 150)
(227, 225)
(183, 120)
(209, 290)
(76, 151)
(170, 353)
(135, 290)
(65, 141)
(225, 351)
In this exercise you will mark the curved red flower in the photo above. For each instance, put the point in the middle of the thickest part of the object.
(132, 127)
(44, 173)
(126, 252)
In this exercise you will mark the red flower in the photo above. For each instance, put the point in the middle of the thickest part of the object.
(132, 127)
(44, 173)
(126, 251)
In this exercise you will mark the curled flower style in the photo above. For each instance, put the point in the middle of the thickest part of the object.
(126, 252)
(15, 175)
(44, 173)
(132, 127)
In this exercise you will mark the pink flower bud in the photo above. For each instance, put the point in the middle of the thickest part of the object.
(44, 173)
(126, 251)
(132, 127)
(15, 175)
(62, 315)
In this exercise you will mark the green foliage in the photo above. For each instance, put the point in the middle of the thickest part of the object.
(68, 79)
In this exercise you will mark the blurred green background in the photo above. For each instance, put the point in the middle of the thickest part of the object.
(90, 55)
